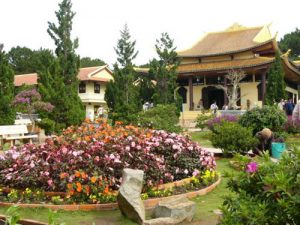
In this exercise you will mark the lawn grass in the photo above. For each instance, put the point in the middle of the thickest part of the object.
(206, 204)
(202, 138)
(204, 209)
(293, 140)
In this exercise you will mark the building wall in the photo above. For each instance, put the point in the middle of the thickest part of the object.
(92, 100)
(249, 92)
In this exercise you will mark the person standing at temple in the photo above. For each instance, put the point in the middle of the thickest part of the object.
(289, 107)
(296, 112)
(214, 108)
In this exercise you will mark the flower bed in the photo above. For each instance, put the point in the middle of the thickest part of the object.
(148, 203)
(87, 161)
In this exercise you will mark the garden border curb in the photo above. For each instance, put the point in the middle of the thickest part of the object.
(149, 203)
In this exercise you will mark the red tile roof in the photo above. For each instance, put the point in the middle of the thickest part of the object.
(225, 42)
(28, 79)
(84, 75)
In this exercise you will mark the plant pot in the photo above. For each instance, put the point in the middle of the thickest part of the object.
(277, 149)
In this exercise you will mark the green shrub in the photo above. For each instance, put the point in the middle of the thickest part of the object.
(232, 138)
(47, 124)
(201, 120)
(266, 117)
(161, 117)
(265, 193)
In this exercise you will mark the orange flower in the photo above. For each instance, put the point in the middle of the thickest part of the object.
(83, 175)
(106, 190)
(93, 179)
(69, 186)
(71, 192)
(77, 174)
(63, 175)
(79, 187)
(87, 189)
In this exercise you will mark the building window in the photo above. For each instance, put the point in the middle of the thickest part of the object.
(96, 87)
(82, 87)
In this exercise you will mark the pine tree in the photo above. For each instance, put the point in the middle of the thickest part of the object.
(275, 83)
(62, 80)
(7, 113)
(121, 94)
(164, 70)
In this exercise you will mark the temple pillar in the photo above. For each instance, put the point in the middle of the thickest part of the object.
(225, 96)
(191, 94)
(263, 86)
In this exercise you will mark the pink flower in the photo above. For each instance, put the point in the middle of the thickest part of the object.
(64, 150)
(50, 182)
(196, 172)
(132, 144)
(251, 167)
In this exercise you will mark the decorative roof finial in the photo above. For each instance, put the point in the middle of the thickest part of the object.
(286, 54)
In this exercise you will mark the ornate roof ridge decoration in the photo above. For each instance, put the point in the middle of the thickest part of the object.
(234, 39)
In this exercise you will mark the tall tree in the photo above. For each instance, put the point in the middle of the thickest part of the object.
(22, 60)
(275, 83)
(88, 62)
(121, 93)
(164, 69)
(62, 78)
(7, 113)
(291, 41)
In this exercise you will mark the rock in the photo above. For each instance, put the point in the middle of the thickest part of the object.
(178, 208)
(129, 200)
(163, 221)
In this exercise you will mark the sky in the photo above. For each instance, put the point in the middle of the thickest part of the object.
(97, 23)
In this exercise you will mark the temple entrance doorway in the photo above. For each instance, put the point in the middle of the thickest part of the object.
(211, 94)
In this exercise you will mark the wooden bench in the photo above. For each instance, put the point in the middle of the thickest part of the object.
(14, 132)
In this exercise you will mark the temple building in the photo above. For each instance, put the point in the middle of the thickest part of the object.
(91, 88)
(251, 49)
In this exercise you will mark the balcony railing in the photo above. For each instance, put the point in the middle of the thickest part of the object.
(91, 97)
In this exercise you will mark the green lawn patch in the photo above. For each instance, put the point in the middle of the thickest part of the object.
(202, 138)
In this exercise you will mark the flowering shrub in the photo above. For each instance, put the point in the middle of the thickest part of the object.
(266, 193)
(102, 151)
(30, 101)
(220, 119)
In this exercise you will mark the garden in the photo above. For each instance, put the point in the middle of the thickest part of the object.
(84, 166)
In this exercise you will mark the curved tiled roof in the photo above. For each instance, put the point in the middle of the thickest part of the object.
(226, 42)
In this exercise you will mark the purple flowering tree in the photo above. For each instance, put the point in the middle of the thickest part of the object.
(30, 101)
